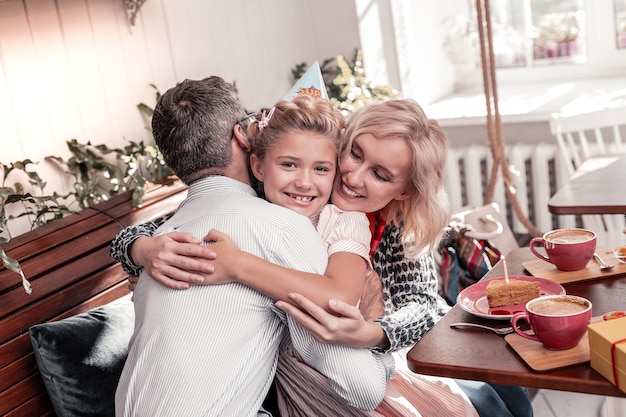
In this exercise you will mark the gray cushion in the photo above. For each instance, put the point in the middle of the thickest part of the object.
(81, 358)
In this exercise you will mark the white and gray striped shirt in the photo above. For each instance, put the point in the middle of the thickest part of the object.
(211, 350)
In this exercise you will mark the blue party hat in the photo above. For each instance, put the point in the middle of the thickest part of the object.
(311, 83)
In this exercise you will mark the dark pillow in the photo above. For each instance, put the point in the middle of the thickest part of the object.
(81, 358)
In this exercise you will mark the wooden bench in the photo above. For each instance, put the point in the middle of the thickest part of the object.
(70, 270)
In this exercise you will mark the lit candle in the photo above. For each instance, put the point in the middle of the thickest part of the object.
(506, 272)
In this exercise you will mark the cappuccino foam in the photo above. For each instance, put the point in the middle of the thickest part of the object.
(569, 236)
(558, 306)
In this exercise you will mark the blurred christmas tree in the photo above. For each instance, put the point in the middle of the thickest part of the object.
(347, 84)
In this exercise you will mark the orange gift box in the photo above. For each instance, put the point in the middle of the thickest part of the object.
(607, 345)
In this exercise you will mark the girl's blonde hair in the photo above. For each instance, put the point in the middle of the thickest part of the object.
(426, 212)
(302, 113)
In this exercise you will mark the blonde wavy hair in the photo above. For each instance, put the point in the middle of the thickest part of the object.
(426, 212)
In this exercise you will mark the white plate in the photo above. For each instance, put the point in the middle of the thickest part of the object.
(473, 299)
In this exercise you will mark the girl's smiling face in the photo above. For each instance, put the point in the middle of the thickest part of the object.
(372, 173)
(298, 171)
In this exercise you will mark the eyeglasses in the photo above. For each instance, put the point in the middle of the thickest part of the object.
(246, 120)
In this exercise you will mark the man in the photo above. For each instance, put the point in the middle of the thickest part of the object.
(211, 350)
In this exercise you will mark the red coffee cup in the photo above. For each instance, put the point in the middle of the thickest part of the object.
(558, 321)
(567, 249)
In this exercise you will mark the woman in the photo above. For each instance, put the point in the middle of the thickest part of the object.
(392, 167)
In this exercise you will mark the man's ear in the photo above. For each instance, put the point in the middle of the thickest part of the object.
(256, 167)
(240, 136)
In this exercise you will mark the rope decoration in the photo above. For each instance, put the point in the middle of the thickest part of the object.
(494, 123)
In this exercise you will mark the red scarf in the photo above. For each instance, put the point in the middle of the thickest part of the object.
(377, 227)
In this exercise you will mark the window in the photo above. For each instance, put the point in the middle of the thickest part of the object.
(541, 40)
(529, 34)
(430, 50)
(620, 24)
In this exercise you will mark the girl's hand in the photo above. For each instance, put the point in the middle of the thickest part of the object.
(174, 259)
(227, 257)
(371, 304)
(347, 327)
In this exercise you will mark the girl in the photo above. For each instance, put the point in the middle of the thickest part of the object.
(295, 148)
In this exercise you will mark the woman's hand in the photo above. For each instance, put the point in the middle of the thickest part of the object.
(132, 282)
(347, 327)
(174, 259)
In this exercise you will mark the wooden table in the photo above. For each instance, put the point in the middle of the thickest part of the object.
(485, 356)
(597, 187)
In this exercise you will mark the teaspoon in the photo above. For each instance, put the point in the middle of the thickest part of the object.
(603, 265)
(503, 330)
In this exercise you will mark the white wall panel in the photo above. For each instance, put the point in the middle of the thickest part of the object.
(24, 82)
(334, 29)
(181, 38)
(10, 145)
(210, 26)
(152, 23)
(108, 40)
(56, 86)
(137, 67)
(255, 88)
(87, 79)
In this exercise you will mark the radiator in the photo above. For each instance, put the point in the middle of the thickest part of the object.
(539, 174)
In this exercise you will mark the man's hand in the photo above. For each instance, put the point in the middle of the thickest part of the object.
(174, 259)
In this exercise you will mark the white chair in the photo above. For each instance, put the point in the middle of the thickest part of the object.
(580, 136)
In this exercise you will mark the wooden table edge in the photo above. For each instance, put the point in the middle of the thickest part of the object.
(599, 387)
(565, 210)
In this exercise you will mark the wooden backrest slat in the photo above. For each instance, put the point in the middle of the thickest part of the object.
(39, 405)
(71, 252)
(26, 239)
(159, 195)
(59, 300)
(111, 293)
(60, 255)
(21, 392)
(58, 237)
(71, 271)
(18, 370)
(57, 256)
(156, 197)
(156, 202)
(150, 212)
(56, 280)
(14, 349)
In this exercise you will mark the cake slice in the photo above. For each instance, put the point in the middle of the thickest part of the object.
(500, 293)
